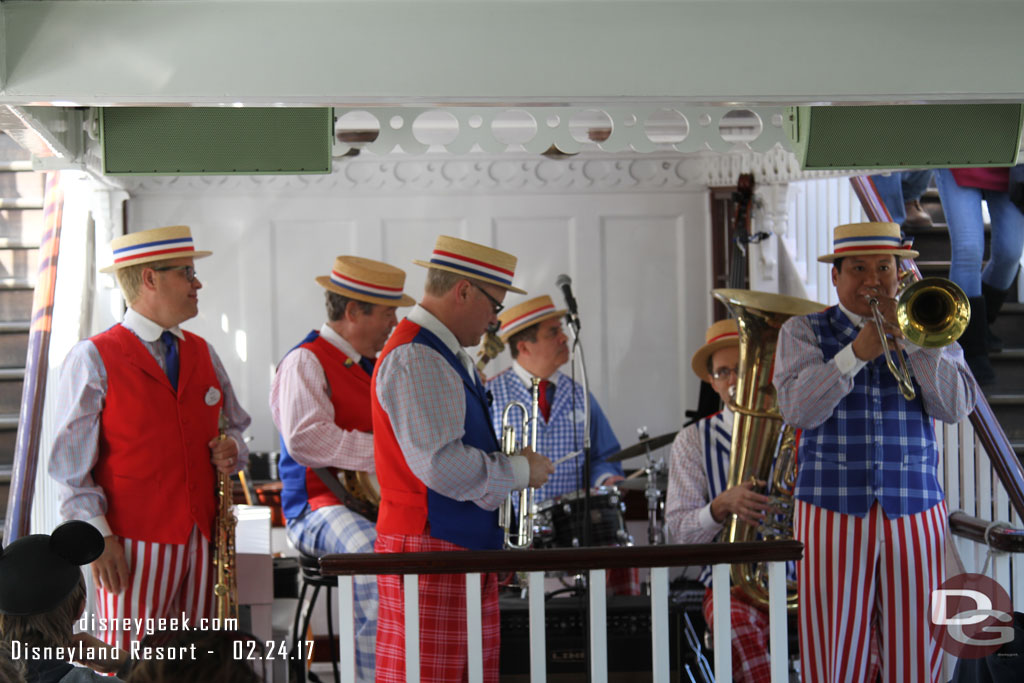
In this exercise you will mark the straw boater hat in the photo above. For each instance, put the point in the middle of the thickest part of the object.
(522, 316)
(367, 280)
(719, 335)
(38, 572)
(861, 239)
(158, 244)
(474, 261)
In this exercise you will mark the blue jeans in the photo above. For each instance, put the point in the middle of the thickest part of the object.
(962, 206)
(896, 189)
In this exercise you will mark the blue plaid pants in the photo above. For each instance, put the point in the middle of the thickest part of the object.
(336, 529)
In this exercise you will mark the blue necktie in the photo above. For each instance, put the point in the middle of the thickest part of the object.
(367, 364)
(170, 357)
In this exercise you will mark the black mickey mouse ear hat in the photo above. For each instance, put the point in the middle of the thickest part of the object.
(39, 571)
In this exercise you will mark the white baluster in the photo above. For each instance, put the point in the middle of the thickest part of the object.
(778, 621)
(346, 628)
(598, 628)
(412, 628)
(538, 651)
(659, 624)
(723, 621)
(474, 629)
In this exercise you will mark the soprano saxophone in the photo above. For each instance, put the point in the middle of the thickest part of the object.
(225, 590)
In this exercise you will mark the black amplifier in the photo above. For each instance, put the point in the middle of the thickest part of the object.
(629, 638)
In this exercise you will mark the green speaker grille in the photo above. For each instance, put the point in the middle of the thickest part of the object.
(215, 140)
(909, 135)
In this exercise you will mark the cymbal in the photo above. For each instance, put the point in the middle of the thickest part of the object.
(640, 483)
(640, 447)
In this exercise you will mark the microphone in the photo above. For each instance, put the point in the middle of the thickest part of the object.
(564, 282)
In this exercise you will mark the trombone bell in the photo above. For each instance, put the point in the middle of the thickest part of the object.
(933, 312)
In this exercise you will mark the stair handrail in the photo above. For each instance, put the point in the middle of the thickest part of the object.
(33, 393)
(998, 536)
(987, 428)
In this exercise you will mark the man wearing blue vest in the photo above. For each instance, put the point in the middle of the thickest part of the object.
(442, 475)
(869, 506)
(320, 402)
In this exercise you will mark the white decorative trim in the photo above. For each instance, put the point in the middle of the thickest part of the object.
(775, 166)
(368, 174)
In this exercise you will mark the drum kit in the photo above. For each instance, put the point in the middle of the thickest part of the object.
(559, 521)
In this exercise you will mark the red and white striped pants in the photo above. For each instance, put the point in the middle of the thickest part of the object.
(869, 580)
(165, 580)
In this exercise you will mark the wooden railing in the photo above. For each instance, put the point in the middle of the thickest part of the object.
(592, 560)
(998, 537)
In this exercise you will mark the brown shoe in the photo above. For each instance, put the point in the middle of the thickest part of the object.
(917, 217)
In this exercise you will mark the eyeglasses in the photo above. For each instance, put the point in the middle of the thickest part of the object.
(723, 373)
(498, 306)
(189, 271)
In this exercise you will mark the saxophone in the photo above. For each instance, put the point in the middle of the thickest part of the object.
(225, 590)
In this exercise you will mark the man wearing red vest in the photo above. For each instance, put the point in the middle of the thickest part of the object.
(320, 401)
(138, 408)
(442, 476)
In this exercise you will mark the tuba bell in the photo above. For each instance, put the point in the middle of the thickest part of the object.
(758, 437)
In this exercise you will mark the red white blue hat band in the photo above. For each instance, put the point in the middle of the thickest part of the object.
(525, 315)
(174, 248)
(363, 279)
(358, 287)
(473, 260)
(872, 242)
(472, 266)
(865, 239)
(147, 246)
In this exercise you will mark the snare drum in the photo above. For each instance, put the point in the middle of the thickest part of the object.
(559, 522)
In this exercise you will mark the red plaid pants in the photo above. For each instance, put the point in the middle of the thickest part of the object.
(442, 603)
(750, 661)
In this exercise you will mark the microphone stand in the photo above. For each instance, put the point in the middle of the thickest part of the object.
(577, 353)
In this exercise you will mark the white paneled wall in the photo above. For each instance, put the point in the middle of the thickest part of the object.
(637, 256)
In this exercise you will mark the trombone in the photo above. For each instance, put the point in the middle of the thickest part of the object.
(523, 538)
(931, 312)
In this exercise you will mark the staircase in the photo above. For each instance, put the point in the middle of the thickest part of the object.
(21, 227)
(1006, 394)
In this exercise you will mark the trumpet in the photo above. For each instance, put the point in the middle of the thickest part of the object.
(523, 538)
(931, 312)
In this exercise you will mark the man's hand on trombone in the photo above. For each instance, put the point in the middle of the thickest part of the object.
(868, 344)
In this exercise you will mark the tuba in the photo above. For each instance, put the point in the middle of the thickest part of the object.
(759, 438)
(225, 589)
(523, 538)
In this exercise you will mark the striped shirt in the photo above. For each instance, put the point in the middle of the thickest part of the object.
(80, 399)
(425, 402)
(300, 404)
(688, 502)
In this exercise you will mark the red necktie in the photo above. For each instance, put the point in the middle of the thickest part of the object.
(542, 399)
